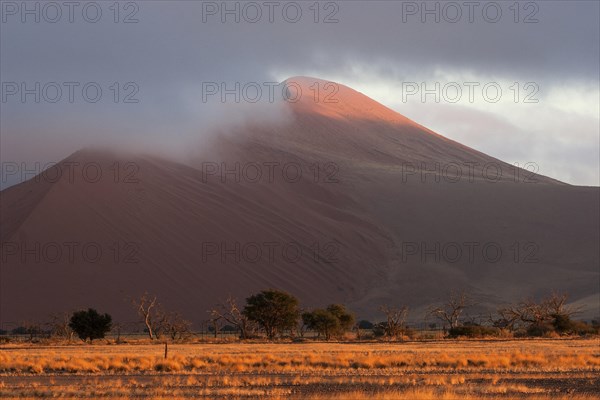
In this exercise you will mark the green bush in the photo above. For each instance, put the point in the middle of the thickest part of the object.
(90, 325)
(273, 310)
(332, 321)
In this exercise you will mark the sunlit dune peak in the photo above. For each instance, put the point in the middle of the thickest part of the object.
(313, 95)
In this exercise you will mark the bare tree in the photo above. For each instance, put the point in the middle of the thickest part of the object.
(395, 320)
(148, 309)
(533, 312)
(450, 311)
(232, 314)
(556, 305)
(530, 312)
(216, 326)
(174, 325)
(508, 318)
(59, 325)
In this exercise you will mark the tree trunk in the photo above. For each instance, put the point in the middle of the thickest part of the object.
(149, 327)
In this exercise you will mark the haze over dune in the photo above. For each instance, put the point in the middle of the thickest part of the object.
(346, 201)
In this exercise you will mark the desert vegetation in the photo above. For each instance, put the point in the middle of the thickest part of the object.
(277, 349)
(274, 315)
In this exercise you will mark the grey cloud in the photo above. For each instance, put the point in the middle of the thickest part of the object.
(170, 52)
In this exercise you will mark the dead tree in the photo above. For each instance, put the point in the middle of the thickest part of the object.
(395, 320)
(556, 305)
(59, 325)
(530, 312)
(148, 310)
(231, 313)
(450, 311)
(174, 325)
(158, 321)
(508, 318)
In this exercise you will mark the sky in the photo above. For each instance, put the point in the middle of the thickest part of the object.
(516, 80)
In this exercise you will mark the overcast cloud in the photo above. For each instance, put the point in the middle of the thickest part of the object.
(383, 49)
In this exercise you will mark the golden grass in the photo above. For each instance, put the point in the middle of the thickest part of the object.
(433, 370)
(543, 355)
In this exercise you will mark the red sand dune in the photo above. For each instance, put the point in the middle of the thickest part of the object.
(363, 231)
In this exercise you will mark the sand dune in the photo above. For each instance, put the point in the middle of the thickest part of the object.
(348, 201)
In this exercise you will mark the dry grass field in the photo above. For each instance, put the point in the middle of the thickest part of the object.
(470, 369)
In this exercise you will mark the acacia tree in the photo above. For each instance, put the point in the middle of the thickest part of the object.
(273, 310)
(90, 325)
(345, 317)
(231, 313)
(332, 321)
(450, 311)
(321, 321)
(395, 323)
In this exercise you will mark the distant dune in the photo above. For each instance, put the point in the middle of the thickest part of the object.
(347, 201)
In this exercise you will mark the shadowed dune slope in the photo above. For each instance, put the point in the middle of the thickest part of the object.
(345, 201)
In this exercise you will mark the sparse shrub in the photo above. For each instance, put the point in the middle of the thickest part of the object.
(539, 329)
(563, 324)
(582, 328)
(473, 331)
(379, 329)
(410, 333)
